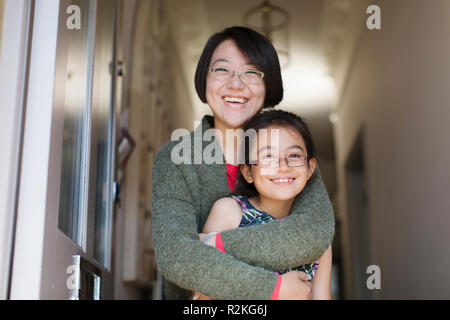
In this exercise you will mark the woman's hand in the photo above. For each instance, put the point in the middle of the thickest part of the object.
(295, 285)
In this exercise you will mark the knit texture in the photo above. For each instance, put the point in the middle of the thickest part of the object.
(182, 198)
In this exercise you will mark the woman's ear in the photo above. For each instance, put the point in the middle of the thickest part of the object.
(312, 163)
(247, 173)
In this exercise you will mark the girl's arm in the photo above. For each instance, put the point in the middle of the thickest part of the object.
(321, 284)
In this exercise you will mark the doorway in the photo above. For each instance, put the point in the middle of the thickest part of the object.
(358, 210)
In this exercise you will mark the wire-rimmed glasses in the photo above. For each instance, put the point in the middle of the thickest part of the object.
(225, 74)
(291, 161)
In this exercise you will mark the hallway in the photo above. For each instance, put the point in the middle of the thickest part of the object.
(90, 96)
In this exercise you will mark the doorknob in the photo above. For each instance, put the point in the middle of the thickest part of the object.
(120, 69)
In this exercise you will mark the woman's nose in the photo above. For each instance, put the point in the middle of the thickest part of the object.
(235, 82)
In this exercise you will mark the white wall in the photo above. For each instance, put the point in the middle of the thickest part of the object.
(398, 90)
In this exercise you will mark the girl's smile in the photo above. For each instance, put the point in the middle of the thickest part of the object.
(283, 181)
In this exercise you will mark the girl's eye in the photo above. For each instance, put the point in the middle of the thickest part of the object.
(295, 155)
(267, 156)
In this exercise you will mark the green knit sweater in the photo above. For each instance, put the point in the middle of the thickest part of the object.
(183, 195)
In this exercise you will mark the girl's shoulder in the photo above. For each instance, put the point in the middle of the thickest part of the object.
(227, 204)
(226, 209)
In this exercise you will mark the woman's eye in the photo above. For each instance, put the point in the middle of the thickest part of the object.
(267, 156)
(251, 72)
(294, 155)
(221, 70)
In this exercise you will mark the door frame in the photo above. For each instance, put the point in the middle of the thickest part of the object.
(15, 50)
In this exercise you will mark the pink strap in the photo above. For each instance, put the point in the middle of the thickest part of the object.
(219, 243)
(276, 291)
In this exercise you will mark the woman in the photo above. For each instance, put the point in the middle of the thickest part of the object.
(237, 75)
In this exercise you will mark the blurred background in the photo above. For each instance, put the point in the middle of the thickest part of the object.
(101, 94)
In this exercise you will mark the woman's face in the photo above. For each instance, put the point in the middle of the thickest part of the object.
(280, 182)
(232, 101)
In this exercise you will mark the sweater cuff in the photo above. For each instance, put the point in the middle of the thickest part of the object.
(276, 291)
(219, 243)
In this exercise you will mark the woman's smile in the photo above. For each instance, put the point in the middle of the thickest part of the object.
(234, 101)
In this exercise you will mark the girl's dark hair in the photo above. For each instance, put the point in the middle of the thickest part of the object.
(264, 120)
(257, 48)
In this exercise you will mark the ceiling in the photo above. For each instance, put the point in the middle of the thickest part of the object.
(310, 91)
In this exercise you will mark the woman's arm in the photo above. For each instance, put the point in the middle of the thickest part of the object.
(321, 284)
(226, 214)
(186, 261)
(298, 239)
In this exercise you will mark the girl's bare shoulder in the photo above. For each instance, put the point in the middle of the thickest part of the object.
(227, 205)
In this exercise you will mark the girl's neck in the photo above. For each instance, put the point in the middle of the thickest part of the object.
(229, 148)
(276, 208)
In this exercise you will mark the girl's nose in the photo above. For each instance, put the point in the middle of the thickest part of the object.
(236, 82)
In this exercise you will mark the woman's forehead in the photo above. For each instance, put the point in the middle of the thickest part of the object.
(228, 51)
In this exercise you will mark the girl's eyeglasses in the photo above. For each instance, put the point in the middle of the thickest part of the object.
(273, 162)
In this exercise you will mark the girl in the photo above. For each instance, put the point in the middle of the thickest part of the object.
(277, 168)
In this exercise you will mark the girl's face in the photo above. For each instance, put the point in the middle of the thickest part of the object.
(279, 181)
(232, 101)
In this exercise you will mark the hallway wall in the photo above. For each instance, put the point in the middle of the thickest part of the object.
(397, 93)
(2, 13)
(157, 101)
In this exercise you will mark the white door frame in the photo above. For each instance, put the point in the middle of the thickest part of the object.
(13, 64)
(34, 207)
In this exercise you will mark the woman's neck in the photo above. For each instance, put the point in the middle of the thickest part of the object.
(276, 208)
(230, 145)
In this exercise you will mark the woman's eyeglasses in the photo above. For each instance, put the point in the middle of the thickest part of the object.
(225, 74)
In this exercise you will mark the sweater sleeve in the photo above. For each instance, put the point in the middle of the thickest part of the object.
(186, 261)
(298, 239)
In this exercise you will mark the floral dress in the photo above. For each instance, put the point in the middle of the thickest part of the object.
(252, 216)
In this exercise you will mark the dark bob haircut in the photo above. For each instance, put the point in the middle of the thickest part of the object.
(264, 120)
(257, 48)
